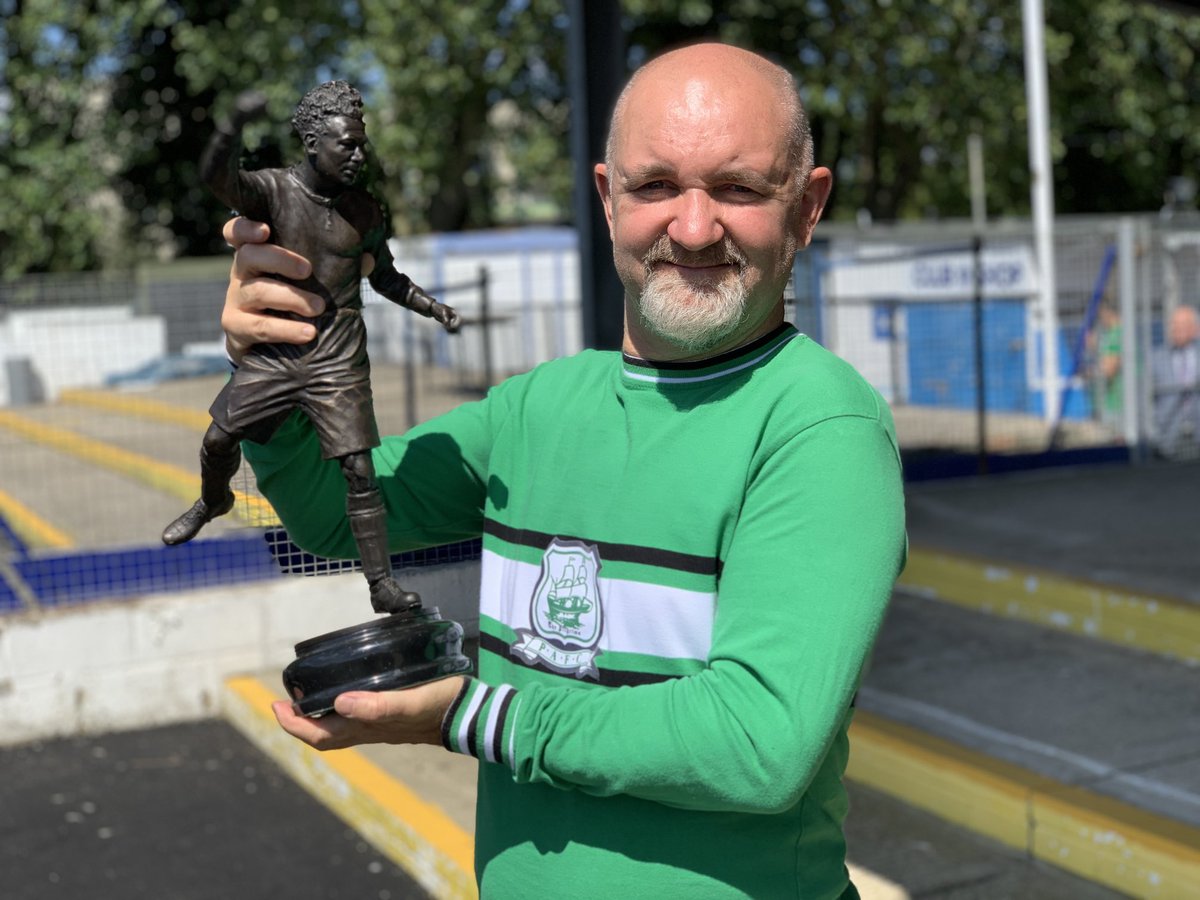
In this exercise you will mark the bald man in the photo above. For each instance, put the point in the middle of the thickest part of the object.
(1177, 386)
(688, 546)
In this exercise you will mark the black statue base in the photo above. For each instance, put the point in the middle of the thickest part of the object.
(401, 650)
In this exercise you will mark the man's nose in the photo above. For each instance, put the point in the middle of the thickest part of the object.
(696, 222)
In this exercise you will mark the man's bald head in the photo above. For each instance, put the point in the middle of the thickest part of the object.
(1184, 326)
(723, 66)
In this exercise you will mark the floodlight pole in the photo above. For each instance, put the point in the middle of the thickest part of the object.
(596, 70)
(1042, 196)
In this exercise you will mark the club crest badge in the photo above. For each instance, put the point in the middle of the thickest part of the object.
(565, 611)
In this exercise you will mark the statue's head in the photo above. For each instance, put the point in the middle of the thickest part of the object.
(326, 101)
(329, 121)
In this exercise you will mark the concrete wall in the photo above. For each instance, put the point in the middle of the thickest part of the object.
(161, 659)
(73, 347)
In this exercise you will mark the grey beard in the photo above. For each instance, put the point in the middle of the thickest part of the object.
(692, 318)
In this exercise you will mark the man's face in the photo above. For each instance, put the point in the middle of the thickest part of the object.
(1183, 327)
(705, 215)
(339, 151)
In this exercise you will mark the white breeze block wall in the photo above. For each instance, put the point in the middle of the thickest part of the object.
(78, 346)
(157, 660)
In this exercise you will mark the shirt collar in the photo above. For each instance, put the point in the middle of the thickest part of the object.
(704, 370)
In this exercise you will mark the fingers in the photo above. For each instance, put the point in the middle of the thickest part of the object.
(255, 294)
(246, 325)
(409, 716)
(239, 230)
(257, 259)
(326, 733)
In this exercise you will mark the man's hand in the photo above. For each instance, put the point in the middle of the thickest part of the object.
(410, 716)
(254, 293)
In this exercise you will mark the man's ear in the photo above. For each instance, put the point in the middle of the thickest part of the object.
(812, 204)
(603, 188)
(310, 142)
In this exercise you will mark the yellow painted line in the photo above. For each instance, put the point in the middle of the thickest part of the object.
(139, 407)
(159, 475)
(1157, 624)
(30, 526)
(416, 835)
(1096, 837)
(984, 795)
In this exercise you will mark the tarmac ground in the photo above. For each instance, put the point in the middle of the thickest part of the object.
(185, 812)
(195, 812)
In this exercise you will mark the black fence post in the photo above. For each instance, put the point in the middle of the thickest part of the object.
(410, 373)
(980, 380)
(485, 316)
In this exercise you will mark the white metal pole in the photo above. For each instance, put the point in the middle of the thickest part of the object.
(1042, 196)
(978, 182)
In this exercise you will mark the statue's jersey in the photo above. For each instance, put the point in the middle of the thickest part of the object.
(332, 233)
(329, 377)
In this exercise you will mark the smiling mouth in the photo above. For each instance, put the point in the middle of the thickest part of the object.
(692, 271)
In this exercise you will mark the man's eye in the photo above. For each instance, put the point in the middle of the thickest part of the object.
(652, 187)
(740, 191)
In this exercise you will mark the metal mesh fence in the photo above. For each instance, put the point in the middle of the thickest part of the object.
(104, 397)
(106, 380)
(955, 334)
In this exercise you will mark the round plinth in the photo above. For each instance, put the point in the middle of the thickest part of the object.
(397, 651)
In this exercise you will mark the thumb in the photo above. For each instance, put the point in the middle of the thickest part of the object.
(365, 706)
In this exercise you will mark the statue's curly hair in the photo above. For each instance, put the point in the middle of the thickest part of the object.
(325, 101)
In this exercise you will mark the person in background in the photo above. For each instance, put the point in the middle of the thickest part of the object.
(1177, 387)
(1105, 340)
(688, 545)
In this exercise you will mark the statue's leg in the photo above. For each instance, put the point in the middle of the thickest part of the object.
(220, 456)
(368, 523)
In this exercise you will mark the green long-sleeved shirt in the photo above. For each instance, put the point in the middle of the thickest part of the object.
(684, 569)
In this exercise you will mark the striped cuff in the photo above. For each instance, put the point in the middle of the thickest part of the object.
(480, 722)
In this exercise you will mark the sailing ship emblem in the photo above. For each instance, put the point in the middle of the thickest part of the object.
(567, 598)
(565, 612)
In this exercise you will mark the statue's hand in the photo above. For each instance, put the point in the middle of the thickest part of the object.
(250, 105)
(446, 315)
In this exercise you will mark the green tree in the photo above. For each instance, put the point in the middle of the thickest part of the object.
(1126, 91)
(437, 75)
(895, 87)
(105, 105)
(181, 71)
(56, 162)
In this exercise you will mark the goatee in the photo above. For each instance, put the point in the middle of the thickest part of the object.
(694, 316)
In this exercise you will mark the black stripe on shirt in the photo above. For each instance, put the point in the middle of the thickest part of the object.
(712, 362)
(498, 737)
(448, 718)
(472, 741)
(650, 556)
(608, 677)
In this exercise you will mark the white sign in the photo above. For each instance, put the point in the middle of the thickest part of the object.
(898, 272)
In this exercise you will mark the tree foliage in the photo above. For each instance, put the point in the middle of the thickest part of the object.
(105, 105)
(895, 87)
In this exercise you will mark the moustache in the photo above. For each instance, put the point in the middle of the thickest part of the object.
(724, 254)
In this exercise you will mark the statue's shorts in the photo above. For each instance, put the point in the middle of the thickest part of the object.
(328, 378)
